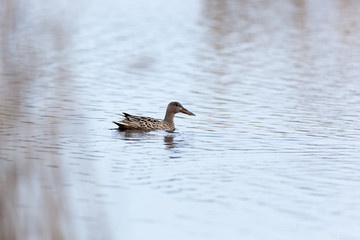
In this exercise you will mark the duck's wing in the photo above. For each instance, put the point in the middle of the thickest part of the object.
(137, 122)
(139, 118)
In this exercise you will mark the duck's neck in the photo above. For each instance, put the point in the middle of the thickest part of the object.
(169, 117)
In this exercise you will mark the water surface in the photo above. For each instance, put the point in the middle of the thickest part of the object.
(273, 152)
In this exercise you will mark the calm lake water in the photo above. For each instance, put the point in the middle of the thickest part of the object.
(273, 152)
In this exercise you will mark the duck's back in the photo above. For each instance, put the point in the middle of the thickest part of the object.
(139, 122)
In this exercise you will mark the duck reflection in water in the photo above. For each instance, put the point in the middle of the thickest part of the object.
(169, 141)
(132, 135)
(138, 135)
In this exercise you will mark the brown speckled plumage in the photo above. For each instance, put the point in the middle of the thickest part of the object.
(148, 123)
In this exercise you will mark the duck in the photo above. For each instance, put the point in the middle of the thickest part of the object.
(132, 122)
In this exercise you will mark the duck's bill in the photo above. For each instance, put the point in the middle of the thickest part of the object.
(184, 110)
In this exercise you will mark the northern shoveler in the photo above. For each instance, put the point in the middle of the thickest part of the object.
(148, 124)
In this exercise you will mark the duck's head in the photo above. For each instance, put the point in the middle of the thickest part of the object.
(176, 107)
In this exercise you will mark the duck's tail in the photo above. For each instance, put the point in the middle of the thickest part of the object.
(121, 125)
(126, 115)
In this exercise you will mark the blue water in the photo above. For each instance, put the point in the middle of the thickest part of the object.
(273, 152)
